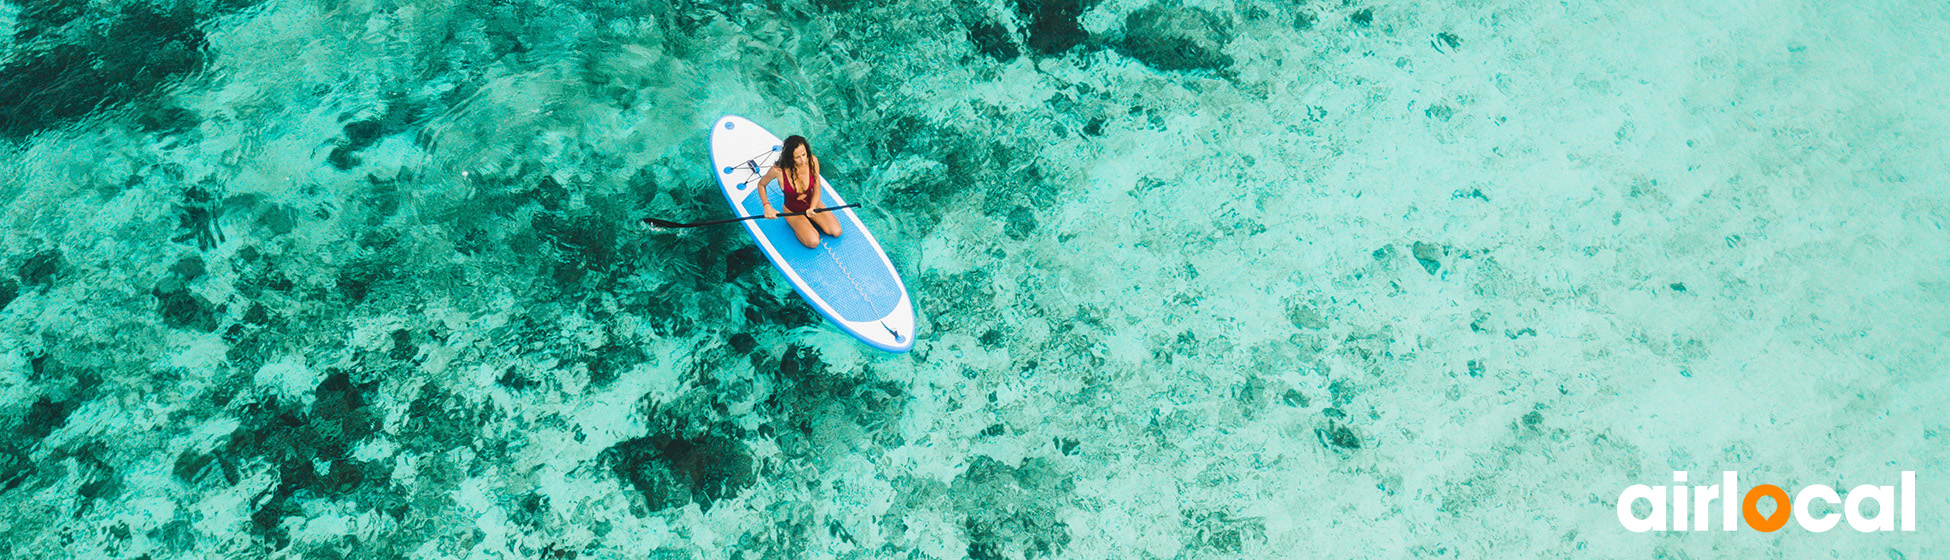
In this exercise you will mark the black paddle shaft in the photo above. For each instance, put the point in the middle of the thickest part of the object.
(669, 224)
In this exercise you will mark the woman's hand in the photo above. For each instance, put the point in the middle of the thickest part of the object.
(770, 213)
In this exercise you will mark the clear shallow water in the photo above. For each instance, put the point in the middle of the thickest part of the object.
(1226, 280)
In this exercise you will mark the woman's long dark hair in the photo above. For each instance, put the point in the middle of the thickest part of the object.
(791, 165)
(792, 144)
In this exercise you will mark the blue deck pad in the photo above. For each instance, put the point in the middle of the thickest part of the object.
(867, 295)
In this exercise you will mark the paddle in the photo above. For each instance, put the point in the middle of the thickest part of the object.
(670, 224)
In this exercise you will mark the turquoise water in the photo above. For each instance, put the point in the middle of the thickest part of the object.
(359, 279)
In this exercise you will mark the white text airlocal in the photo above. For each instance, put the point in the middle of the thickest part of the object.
(1673, 507)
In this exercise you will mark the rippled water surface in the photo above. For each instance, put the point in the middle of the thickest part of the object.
(361, 279)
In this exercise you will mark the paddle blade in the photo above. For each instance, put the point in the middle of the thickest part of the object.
(653, 222)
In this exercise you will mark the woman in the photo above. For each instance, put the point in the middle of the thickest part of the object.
(798, 174)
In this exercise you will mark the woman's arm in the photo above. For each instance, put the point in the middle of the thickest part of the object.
(762, 198)
(819, 187)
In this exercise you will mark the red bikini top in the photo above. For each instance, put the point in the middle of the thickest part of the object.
(785, 180)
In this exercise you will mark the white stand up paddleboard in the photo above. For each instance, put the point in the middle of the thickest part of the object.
(847, 278)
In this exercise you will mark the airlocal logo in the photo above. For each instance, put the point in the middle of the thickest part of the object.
(1670, 507)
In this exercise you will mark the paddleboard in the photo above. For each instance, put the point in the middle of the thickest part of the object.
(848, 279)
